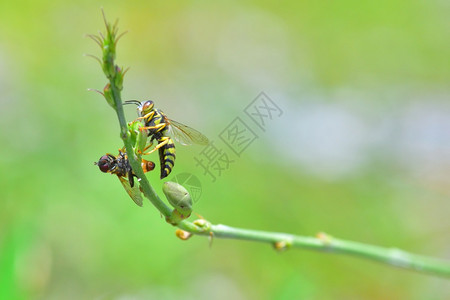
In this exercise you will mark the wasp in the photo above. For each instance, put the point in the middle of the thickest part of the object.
(162, 129)
(120, 166)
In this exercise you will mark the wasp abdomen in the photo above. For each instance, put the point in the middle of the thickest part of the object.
(167, 158)
(147, 165)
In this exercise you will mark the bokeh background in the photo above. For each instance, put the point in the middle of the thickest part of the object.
(362, 150)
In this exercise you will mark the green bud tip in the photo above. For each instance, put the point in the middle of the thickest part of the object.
(281, 245)
(324, 238)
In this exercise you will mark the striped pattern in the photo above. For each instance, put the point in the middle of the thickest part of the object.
(167, 158)
(166, 152)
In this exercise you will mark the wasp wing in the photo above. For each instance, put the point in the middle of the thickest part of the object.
(134, 191)
(186, 135)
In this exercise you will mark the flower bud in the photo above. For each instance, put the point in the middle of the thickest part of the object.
(183, 235)
(118, 78)
(324, 238)
(107, 93)
(202, 224)
(178, 197)
(138, 137)
(281, 245)
(109, 54)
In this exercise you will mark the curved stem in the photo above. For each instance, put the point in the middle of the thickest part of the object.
(281, 241)
(147, 189)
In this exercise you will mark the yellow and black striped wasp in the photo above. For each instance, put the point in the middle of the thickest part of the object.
(162, 129)
(120, 166)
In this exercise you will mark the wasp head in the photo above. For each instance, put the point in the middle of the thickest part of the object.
(107, 163)
(143, 108)
(146, 107)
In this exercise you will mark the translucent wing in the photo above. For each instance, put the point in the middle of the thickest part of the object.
(186, 135)
(134, 191)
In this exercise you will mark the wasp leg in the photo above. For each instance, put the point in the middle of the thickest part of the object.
(162, 142)
(149, 116)
(142, 152)
(159, 127)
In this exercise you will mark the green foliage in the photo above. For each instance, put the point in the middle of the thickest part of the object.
(380, 54)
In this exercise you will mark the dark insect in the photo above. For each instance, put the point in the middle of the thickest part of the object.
(120, 166)
(162, 129)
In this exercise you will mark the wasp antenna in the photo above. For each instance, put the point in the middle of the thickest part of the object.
(132, 102)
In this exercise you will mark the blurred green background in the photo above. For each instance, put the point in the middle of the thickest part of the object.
(362, 150)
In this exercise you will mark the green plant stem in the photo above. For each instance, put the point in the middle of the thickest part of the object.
(391, 256)
(115, 78)
(147, 189)
(281, 241)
